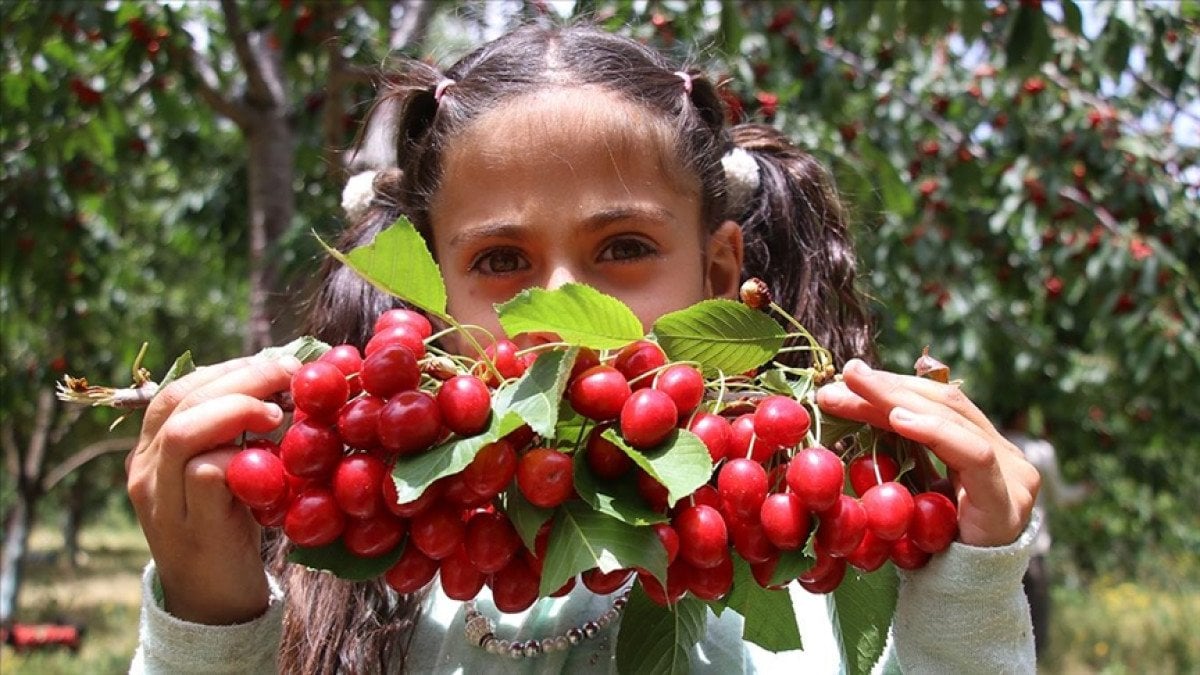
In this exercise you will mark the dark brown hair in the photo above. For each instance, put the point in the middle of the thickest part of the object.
(794, 229)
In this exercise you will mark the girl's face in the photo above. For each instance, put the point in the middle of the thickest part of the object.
(574, 185)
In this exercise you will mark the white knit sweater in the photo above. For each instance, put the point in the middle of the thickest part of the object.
(963, 613)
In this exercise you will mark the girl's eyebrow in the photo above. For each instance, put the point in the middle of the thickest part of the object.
(504, 229)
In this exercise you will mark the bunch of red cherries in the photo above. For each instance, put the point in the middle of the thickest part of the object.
(773, 488)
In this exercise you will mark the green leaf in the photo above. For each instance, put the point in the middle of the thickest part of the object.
(414, 474)
(1072, 17)
(538, 394)
(720, 334)
(770, 621)
(790, 566)
(617, 498)
(398, 263)
(833, 429)
(655, 640)
(182, 366)
(1029, 41)
(336, 558)
(306, 348)
(583, 538)
(897, 198)
(797, 386)
(681, 462)
(861, 609)
(525, 517)
(579, 314)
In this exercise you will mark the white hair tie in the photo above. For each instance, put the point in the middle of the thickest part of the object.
(741, 179)
(358, 193)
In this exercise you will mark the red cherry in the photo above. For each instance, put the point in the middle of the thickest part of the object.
(703, 537)
(465, 403)
(684, 384)
(781, 421)
(653, 492)
(585, 360)
(410, 423)
(715, 433)
(742, 484)
(374, 536)
(669, 538)
(256, 477)
(412, 571)
(889, 508)
(358, 422)
(437, 531)
(862, 471)
(460, 579)
(764, 572)
(842, 526)
(314, 519)
(785, 521)
(824, 576)
(391, 498)
(870, 554)
(396, 336)
(934, 523)
(389, 371)
(637, 359)
(348, 360)
(310, 449)
(602, 583)
(647, 418)
(514, 588)
(816, 475)
(404, 317)
(546, 477)
(599, 393)
(606, 460)
(742, 437)
(751, 542)
(357, 485)
(492, 470)
(907, 556)
(503, 354)
(677, 584)
(712, 583)
(319, 389)
(459, 494)
(490, 541)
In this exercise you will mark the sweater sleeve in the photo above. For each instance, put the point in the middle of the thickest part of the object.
(170, 645)
(966, 612)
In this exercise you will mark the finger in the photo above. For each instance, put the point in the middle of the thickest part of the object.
(200, 429)
(259, 378)
(836, 399)
(208, 503)
(166, 400)
(977, 468)
(889, 390)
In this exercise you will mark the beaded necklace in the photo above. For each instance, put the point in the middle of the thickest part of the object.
(480, 632)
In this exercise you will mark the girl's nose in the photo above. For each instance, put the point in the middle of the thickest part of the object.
(559, 275)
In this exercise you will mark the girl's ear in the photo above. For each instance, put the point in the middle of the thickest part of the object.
(723, 275)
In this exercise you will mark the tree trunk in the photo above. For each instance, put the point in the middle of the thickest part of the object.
(271, 171)
(12, 556)
(73, 521)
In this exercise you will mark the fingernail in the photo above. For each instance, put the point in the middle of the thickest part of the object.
(903, 415)
(858, 365)
(274, 411)
(290, 363)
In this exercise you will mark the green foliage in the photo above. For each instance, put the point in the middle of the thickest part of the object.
(579, 314)
(721, 335)
(656, 640)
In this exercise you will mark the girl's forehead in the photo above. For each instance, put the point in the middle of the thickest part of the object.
(566, 126)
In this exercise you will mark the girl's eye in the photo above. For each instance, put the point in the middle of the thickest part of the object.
(625, 249)
(499, 262)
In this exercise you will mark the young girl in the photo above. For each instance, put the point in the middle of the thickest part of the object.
(548, 156)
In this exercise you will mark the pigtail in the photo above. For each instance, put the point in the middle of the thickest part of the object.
(797, 239)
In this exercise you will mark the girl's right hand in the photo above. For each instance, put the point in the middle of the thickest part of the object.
(205, 544)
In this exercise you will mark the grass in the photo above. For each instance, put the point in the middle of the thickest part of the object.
(103, 593)
(1108, 626)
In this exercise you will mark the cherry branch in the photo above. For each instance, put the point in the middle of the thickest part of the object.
(85, 455)
(260, 83)
(1102, 214)
(208, 86)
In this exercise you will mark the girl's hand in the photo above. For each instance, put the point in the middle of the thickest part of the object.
(996, 486)
(205, 544)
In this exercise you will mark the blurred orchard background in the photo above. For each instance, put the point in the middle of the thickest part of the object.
(1024, 177)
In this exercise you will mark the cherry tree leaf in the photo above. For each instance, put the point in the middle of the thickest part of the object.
(399, 263)
(182, 366)
(525, 517)
(861, 608)
(790, 566)
(681, 462)
(617, 498)
(770, 621)
(306, 348)
(338, 559)
(537, 395)
(720, 334)
(578, 313)
(416, 473)
(655, 640)
(583, 538)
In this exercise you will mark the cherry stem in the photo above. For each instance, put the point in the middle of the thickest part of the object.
(821, 355)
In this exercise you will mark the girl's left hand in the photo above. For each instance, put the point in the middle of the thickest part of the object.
(996, 486)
